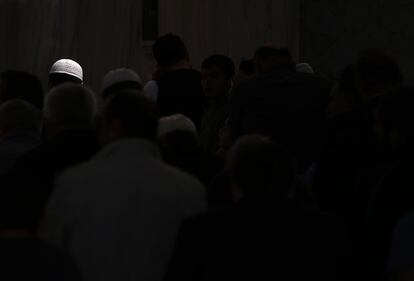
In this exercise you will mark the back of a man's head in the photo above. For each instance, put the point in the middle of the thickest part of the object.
(21, 85)
(129, 114)
(169, 50)
(19, 116)
(70, 106)
(260, 168)
(377, 72)
(269, 58)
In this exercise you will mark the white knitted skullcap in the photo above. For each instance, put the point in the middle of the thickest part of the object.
(176, 122)
(120, 75)
(304, 68)
(69, 67)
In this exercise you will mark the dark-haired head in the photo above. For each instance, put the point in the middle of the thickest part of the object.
(169, 50)
(270, 58)
(217, 75)
(377, 73)
(18, 116)
(21, 85)
(222, 62)
(129, 114)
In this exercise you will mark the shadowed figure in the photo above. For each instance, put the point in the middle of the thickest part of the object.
(70, 138)
(178, 87)
(119, 213)
(265, 235)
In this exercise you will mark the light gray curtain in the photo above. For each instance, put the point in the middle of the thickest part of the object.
(105, 34)
(232, 27)
(99, 34)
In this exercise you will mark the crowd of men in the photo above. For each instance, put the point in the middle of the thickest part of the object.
(266, 171)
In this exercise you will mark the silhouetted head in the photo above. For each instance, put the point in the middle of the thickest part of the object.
(67, 107)
(120, 80)
(19, 116)
(129, 114)
(246, 70)
(21, 85)
(395, 118)
(178, 140)
(217, 75)
(270, 58)
(170, 51)
(261, 168)
(377, 73)
(65, 71)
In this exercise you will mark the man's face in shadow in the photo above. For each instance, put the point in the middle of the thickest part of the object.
(215, 82)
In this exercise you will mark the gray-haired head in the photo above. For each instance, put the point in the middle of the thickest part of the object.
(19, 116)
(70, 106)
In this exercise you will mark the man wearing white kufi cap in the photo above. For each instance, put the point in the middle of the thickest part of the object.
(304, 68)
(176, 122)
(118, 80)
(65, 70)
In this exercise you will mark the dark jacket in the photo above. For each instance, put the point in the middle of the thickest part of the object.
(286, 106)
(216, 112)
(32, 259)
(391, 200)
(180, 91)
(36, 170)
(260, 240)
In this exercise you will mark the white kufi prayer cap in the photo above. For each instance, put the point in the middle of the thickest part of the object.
(120, 75)
(304, 68)
(176, 122)
(69, 67)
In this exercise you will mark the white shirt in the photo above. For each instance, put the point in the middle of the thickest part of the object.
(119, 214)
